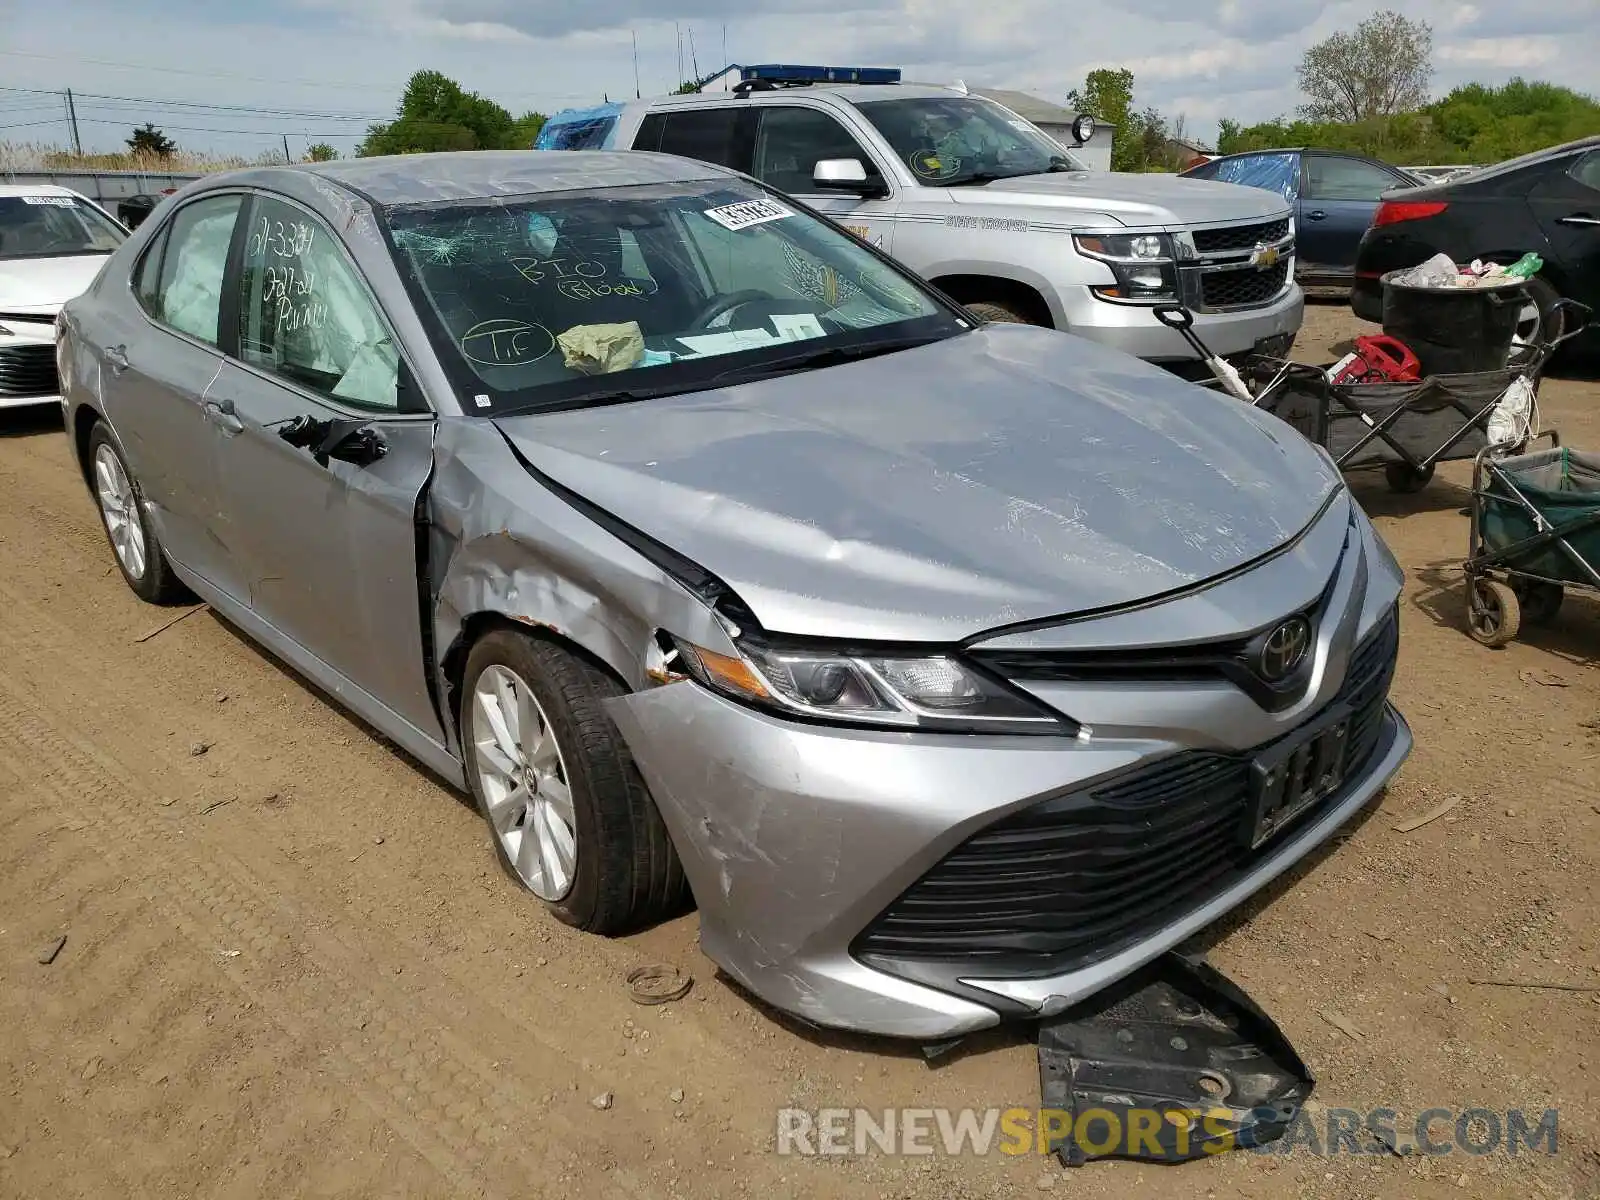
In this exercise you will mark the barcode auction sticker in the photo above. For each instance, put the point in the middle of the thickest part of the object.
(747, 213)
(51, 201)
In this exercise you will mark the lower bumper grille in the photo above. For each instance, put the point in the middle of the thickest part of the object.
(1077, 878)
(1247, 285)
(28, 371)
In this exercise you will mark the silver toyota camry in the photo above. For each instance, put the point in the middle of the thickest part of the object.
(952, 671)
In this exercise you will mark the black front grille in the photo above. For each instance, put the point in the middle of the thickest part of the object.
(1079, 877)
(1241, 237)
(28, 370)
(1227, 289)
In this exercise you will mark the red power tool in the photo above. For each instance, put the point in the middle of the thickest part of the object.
(1377, 358)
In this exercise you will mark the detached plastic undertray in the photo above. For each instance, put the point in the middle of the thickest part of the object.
(1173, 1063)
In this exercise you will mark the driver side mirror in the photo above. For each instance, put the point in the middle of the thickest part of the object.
(846, 175)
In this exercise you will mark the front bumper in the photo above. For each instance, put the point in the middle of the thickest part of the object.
(1132, 328)
(28, 364)
(798, 838)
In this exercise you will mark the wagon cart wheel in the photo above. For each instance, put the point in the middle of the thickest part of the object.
(1406, 479)
(1494, 615)
(1540, 600)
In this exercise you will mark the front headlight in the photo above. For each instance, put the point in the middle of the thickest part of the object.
(1144, 264)
(936, 692)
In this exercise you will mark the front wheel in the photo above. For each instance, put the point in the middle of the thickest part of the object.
(571, 818)
(128, 527)
(1406, 479)
(990, 313)
(1494, 615)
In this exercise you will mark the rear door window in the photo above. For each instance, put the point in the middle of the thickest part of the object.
(188, 294)
(707, 134)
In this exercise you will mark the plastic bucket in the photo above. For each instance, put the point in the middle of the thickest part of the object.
(1454, 330)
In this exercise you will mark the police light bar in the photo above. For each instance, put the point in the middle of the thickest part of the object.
(774, 73)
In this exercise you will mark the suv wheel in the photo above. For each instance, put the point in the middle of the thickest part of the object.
(989, 313)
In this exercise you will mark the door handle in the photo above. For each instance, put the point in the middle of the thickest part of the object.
(1578, 219)
(117, 358)
(1316, 214)
(221, 413)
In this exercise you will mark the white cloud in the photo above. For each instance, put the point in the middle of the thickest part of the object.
(1204, 58)
(1514, 53)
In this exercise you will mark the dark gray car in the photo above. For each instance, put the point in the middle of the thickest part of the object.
(953, 671)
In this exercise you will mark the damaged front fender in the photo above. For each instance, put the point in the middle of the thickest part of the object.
(503, 546)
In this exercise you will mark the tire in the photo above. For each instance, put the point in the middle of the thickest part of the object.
(990, 313)
(1494, 615)
(1550, 326)
(624, 872)
(129, 530)
(1406, 479)
(1540, 601)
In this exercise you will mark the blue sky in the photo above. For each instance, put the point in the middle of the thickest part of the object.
(326, 67)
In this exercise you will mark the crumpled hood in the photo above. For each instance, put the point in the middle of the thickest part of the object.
(1132, 199)
(40, 286)
(1004, 475)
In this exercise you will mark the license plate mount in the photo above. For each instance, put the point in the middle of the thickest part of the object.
(1297, 774)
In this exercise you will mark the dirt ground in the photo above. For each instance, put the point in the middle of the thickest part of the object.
(292, 969)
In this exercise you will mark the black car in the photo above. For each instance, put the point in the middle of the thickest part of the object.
(1547, 202)
(1334, 195)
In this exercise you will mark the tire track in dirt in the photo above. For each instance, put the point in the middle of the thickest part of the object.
(726, 1072)
(27, 614)
(442, 1097)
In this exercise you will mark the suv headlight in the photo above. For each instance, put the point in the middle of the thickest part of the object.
(1144, 264)
(936, 692)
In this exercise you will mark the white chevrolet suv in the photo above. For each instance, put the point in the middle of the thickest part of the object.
(996, 213)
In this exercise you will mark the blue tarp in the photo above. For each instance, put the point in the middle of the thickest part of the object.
(1274, 172)
(579, 129)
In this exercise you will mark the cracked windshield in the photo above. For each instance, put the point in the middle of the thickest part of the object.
(535, 299)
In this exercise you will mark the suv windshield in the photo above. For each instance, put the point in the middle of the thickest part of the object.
(608, 294)
(47, 226)
(956, 140)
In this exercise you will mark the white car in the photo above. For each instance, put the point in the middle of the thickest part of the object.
(53, 243)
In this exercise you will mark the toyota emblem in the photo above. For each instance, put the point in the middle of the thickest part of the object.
(1284, 650)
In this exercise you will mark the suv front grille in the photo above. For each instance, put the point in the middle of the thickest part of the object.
(1081, 876)
(28, 370)
(1241, 237)
(1230, 289)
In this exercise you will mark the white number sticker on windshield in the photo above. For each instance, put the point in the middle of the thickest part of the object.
(747, 213)
(52, 201)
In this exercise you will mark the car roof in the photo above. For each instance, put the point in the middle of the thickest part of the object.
(1495, 170)
(402, 179)
(35, 189)
(850, 93)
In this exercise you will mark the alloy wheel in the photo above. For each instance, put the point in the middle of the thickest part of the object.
(120, 508)
(526, 788)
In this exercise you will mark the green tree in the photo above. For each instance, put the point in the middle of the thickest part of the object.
(1140, 140)
(436, 113)
(321, 152)
(1473, 124)
(1381, 68)
(149, 140)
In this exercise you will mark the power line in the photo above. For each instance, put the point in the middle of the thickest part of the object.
(344, 133)
(363, 87)
(203, 104)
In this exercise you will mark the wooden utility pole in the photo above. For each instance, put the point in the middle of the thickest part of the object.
(286, 157)
(72, 117)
